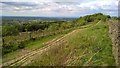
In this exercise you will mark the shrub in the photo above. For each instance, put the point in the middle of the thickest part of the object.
(9, 30)
(21, 45)
(7, 48)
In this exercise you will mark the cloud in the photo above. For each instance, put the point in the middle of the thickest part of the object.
(59, 7)
(45, 1)
(19, 3)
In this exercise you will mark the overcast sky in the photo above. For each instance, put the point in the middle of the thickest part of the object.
(58, 8)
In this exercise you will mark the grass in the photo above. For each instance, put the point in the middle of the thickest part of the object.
(39, 43)
(85, 47)
(32, 45)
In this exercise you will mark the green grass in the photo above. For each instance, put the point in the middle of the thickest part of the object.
(39, 43)
(85, 47)
(32, 45)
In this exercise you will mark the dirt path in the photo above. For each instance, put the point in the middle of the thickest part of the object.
(31, 54)
(23, 60)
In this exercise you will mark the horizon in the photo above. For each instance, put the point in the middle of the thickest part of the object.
(42, 16)
(58, 16)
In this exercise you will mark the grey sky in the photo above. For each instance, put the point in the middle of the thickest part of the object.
(58, 8)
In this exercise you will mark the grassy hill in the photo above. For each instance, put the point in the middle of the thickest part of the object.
(84, 47)
(87, 44)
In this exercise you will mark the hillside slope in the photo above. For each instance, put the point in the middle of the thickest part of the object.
(83, 47)
(88, 45)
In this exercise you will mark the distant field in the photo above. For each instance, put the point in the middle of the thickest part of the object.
(25, 18)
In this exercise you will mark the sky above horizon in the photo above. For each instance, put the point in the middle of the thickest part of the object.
(58, 8)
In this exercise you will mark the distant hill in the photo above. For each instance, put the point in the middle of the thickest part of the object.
(36, 18)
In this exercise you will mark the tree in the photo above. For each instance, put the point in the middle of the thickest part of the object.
(9, 30)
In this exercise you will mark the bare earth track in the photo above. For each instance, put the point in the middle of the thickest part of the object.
(25, 59)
